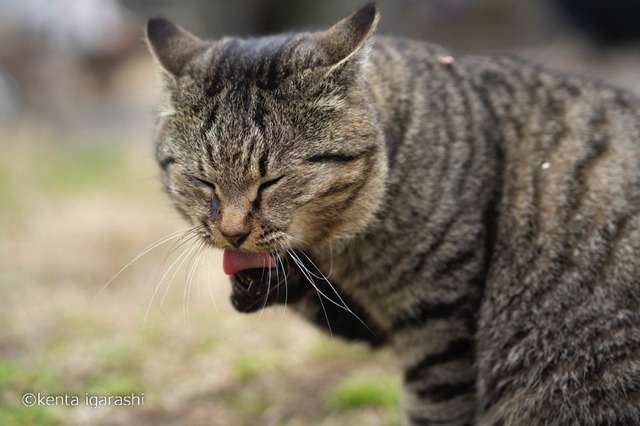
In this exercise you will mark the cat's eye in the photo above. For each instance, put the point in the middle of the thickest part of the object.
(262, 187)
(203, 183)
(268, 183)
(215, 201)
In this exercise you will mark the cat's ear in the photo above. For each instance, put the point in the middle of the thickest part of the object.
(172, 46)
(347, 38)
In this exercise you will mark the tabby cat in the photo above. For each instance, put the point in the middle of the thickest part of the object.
(479, 214)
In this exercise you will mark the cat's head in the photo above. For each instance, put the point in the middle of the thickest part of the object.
(270, 143)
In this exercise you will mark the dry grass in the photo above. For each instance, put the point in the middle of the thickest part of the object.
(71, 216)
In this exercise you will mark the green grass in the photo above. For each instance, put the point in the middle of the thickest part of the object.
(21, 416)
(77, 168)
(326, 348)
(364, 391)
(53, 173)
(23, 377)
(248, 366)
(8, 369)
(115, 383)
(247, 402)
(16, 379)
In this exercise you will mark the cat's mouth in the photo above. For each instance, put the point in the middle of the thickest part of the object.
(235, 261)
(258, 281)
(254, 279)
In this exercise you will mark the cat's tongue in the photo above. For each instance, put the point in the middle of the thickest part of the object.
(235, 261)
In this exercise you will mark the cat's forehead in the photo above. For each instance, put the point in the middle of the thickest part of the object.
(240, 158)
(248, 50)
(264, 61)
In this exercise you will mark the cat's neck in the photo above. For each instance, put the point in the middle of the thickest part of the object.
(443, 154)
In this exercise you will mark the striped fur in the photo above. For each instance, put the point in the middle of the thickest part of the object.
(480, 215)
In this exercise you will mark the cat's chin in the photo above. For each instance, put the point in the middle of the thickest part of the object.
(254, 289)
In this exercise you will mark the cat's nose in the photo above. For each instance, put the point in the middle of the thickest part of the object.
(236, 240)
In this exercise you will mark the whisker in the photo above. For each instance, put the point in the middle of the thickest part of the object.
(308, 274)
(176, 246)
(203, 254)
(209, 254)
(154, 298)
(187, 283)
(266, 296)
(198, 266)
(185, 239)
(286, 287)
(322, 275)
(150, 247)
(305, 272)
(187, 253)
(191, 269)
(326, 315)
(189, 235)
(290, 238)
(277, 277)
(344, 306)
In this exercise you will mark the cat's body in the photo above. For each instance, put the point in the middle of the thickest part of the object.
(480, 215)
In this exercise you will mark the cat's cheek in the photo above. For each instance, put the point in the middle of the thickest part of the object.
(307, 230)
(215, 240)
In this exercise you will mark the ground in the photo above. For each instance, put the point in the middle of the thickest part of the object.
(71, 217)
(74, 211)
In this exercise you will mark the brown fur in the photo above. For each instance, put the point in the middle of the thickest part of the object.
(480, 214)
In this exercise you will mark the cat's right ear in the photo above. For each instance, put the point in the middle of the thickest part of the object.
(172, 46)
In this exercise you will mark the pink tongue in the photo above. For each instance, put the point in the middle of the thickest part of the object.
(235, 261)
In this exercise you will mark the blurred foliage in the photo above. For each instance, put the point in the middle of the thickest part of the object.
(248, 366)
(367, 390)
(54, 171)
(77, 169)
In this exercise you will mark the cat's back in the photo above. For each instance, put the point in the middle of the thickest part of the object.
(560, 309)
(559, 312)
(566, 147)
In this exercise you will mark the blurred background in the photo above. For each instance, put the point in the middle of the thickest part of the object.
(79, 200)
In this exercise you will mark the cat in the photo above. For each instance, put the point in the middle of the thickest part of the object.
(478, 214)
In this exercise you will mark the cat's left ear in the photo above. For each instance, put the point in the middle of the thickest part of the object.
(348, 38)
(172, 46)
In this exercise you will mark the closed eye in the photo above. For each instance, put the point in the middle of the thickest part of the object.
(337, 158)
(262, 187)
(215, 201)
(202, 183)
(269, 183)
